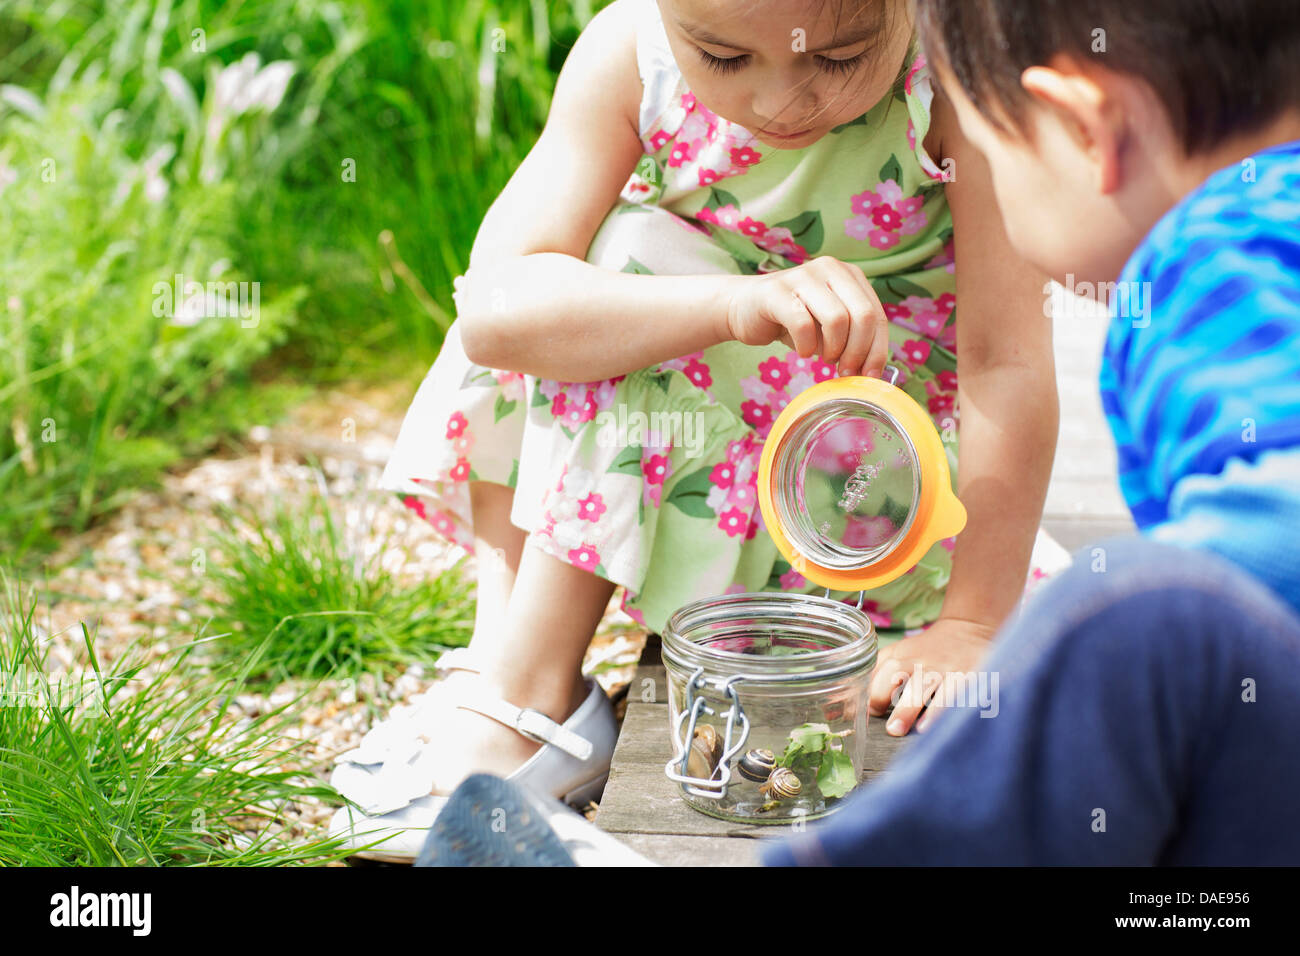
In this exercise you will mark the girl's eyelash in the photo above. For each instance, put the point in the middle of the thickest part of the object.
(731, 64)
(840, 66)
(719, 64)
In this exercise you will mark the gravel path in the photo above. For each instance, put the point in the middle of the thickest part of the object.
(127, 577)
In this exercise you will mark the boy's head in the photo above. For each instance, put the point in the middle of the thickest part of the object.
(788, 70)
(1096, 116)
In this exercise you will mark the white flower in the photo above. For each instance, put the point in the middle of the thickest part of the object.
(243, 86)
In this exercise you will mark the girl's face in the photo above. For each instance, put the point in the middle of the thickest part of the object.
(788, 70)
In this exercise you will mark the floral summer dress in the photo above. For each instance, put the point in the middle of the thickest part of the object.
(648, 479)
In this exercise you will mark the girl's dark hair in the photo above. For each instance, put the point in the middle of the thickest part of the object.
(1219, 67)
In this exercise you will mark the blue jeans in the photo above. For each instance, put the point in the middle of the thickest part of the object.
(1148, 712)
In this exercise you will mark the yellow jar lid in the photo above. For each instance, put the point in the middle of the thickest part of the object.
(854, 484)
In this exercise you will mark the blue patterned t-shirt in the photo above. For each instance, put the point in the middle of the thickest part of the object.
(1202, 389)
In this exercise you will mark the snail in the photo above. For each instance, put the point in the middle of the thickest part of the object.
(705, 749)
(782, 784)
(712, 741)
(757, 765)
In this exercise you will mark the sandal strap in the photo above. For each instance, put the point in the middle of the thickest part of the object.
(532, 724)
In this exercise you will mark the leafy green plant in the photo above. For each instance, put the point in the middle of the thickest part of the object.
(140, 764)
(816, 750)
(303, 595)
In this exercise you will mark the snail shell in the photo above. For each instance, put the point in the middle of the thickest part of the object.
(757, 765)
(712, 740)
(782, 784)
(699, 760)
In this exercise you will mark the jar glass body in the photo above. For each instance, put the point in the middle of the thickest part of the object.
(782, 667)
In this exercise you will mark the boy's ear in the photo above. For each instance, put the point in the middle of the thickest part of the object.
(1086, 110)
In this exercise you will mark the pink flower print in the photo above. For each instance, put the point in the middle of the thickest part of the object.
(911, 135)
(756, 415)
(887, 217)
(416, 505)
(941, 403)
(576, 413)
(512, 385)
(456, 424)
(744, 156)
(822, 370)
(584, 557)
(751, 227)
(929, 314)
(774, 372)
(881, 214)
(698, 373)
(591, 507)
(944, 260)
(742, 496)
(459, 471)
(780, 240)
(557, 405)
(894, 312)
(913, 218)
(945, 303)
(682, 153)
(722, 475)
(708, 176)
(659, 140)
(443, 524)
(655, 469)
(752, 531)
(463, 445)
(915, 352)
(947, 381)
(733, 521)
(793, 580)
(728, 217)
(688, 101)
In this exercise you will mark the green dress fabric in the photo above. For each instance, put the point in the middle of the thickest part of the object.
(648, 479)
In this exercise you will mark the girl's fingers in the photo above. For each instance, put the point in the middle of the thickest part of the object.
(888, 677)
(866, 321)
(799, 325)
(828, 309)
(911, 701)
(933, 706)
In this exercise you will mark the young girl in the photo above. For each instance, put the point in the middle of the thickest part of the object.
(731, 201)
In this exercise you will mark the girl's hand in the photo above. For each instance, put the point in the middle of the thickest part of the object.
(947, 648)
(824, 307)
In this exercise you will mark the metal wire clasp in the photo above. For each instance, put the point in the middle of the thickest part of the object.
(715, 787)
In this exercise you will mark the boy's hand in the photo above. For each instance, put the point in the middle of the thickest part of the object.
(948, 646)
(824, 307)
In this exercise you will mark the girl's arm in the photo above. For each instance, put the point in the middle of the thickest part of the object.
(1009, 421)
(530, 303)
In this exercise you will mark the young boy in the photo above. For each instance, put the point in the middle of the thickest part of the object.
(1149, 697)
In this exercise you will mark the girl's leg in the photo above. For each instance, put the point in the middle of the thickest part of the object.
(532, 627)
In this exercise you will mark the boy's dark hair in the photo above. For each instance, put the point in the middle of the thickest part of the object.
(1219, 66)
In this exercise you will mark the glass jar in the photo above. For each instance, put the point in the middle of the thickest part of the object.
(768, 704)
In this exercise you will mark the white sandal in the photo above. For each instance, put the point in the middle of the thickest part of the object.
(397, 808)
(406, 728)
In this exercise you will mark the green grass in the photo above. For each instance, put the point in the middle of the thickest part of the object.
(302, 593)
(136, 766)
(118, 170)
